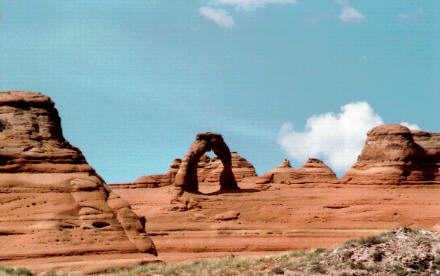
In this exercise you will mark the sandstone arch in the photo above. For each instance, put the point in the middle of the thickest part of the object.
(186, 177)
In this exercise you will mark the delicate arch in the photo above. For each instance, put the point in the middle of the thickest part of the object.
(186, 177)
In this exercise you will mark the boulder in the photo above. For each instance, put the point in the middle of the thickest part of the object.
(229, 215)
(51, 201)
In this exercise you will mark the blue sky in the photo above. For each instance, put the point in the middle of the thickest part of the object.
(135, 80)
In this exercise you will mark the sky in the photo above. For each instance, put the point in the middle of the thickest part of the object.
(135, 80)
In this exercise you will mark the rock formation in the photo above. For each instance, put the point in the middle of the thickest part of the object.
(313, 171)
(186, 178)
(392, 154)
(209, 169)
(153, 181)
(51, 201)
(208, 172)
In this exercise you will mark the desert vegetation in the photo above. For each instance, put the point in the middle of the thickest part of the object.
(403, 251)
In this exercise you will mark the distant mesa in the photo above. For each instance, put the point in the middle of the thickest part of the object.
(393, 154)
(313, 171)
(51, 201)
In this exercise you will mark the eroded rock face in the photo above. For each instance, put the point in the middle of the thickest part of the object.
(209, 169)
(394, 155)
(51, 201)
(208, 172)
(313, 171)
(186, 178)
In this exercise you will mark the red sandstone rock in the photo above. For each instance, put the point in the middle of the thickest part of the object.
(229, 215)
(209, 169)
(208, 172)
(186, 177)
(394, 155)
(313, 171)
(153, 181)
(51, 201)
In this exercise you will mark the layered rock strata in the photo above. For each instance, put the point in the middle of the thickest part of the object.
(313, 171)
(209, 169)
(51, 201)
(393, 154)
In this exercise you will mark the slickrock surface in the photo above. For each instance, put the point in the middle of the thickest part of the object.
(280, 217)
(312, 171)
(394, 155)
(52, 202)
(208, 173)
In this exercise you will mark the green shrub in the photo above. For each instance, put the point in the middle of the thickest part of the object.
(350, 244)
(317, 268)
(320, 250)
(370, 240)
(7, 269)
(299, 253)
(291, 266)
(22, 271)
(277, 270)
(399, 270)
(357, 265)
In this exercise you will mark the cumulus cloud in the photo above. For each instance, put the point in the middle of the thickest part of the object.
(410, 126)
(351, 15)
(219, 16)
(222, 18)
(348, 13)
(336, 138)
(251, 4)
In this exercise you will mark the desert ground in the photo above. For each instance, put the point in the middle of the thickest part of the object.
(275, 218)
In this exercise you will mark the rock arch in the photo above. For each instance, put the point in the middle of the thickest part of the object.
(186, 177)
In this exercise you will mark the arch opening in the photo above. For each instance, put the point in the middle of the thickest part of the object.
(186, 177)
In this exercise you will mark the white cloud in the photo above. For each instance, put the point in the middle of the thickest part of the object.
(348, 13)
(222, 18)
(341, 2)
(219, 16)
(336, 138)
(351, 15)
(410, 126)
(251, 4)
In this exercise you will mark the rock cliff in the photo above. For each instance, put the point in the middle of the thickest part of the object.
(51, 201)
(392, 154)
